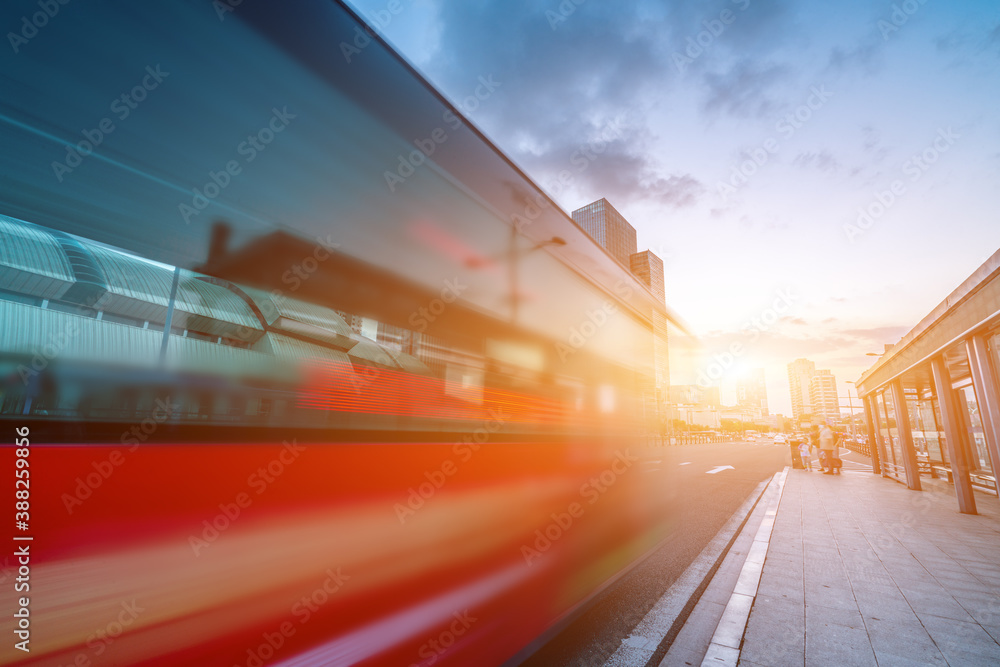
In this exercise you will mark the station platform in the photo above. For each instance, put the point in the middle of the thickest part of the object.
(857, 570)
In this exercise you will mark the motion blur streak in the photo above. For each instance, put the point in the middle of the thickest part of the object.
(276, 411)
(258, 568)
(333, 387)
(411, 623)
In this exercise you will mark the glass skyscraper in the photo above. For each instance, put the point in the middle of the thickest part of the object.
(609, 228)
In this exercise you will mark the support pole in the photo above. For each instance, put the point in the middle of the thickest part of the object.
(984, 383)
(873, 444)
(170, 316)
(951, 421)
(905, 436)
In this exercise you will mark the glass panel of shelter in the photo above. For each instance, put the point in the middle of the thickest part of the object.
(981, 467)
(929, 419)
(892, 455)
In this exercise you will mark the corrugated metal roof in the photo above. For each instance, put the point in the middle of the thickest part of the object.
(29, 248)
(293, 349)
(32, 261)
(275, 305)
(149, 283)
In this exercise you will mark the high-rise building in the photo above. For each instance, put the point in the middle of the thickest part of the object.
(609, 228)
(648, 268)
(612, 231)
(814, 392)
(800, 373)
(751, 391)
(823, 396)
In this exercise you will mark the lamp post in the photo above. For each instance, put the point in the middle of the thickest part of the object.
(514, 254)
(850, 407)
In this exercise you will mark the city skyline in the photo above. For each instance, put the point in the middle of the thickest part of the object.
(757, 147)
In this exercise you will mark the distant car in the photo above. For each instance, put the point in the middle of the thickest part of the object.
(780, 439)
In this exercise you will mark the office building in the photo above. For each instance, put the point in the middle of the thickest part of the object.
(751, 391)
(814, 392)
(609, 228)
(800, 374)
(648, 268)
(823, 396)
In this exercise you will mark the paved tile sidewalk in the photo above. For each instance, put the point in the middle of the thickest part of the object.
(862, 571)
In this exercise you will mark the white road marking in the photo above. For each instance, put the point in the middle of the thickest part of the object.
(719, 469)
(686, 463)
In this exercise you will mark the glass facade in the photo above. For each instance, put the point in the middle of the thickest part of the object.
(609, 228)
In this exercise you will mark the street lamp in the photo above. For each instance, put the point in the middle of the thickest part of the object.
(850, 406)
(514, 254)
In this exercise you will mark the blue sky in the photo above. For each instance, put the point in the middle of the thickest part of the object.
(826, 108)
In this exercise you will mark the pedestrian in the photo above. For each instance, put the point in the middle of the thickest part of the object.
(806, 455)
(827, 446)
(813, 438)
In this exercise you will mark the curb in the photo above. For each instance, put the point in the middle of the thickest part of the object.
(650, 639)
(728, 638)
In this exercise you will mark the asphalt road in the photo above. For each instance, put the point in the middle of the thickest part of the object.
(705, 503)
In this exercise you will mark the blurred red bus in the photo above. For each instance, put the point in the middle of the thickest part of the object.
(295, 387)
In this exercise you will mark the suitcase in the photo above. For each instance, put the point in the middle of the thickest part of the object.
(796, 459)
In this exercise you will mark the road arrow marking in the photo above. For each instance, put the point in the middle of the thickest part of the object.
(719, 469)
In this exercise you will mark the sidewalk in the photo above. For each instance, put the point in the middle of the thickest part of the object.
(862, 571)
